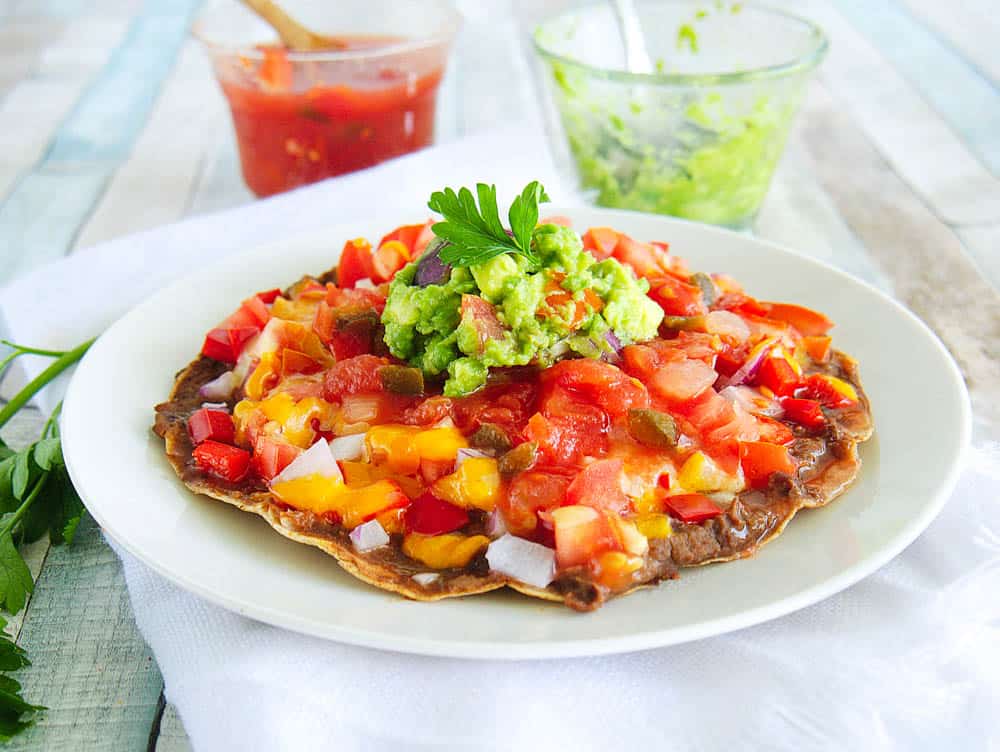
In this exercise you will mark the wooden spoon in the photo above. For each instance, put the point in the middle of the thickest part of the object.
(293, 35)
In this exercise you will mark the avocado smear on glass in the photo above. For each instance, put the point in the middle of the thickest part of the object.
(510, 312)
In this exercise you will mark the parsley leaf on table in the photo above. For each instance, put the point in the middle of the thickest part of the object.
(475, 233)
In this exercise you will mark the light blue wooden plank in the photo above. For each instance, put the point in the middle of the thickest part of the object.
(110, 114)
(966, 98)
(40, 218)
(45, 210)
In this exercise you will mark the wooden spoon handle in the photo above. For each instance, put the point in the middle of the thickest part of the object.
(293, 35)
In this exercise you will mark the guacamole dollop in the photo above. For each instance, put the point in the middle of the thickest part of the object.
(510, 311)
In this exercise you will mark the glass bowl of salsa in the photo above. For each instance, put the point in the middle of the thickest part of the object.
(699, 134)
(301, 117)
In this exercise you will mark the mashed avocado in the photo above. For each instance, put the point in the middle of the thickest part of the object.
(509, 312)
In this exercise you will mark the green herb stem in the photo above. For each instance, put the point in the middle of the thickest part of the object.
(64, 361)
(25, 505)
(33, 350)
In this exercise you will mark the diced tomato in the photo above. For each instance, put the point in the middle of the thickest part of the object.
(388, 259)
(347, 332)
(819, 389)
(222, 460)
(677, 298)
(640, 361)
(581, 533)
(432, 470)
(760, 460)
(257, 308)
(762, 326)
(426, 236)
(355, 263)
(778, 376)
(694, 345)
(429, 515)
(356, 298)
(353, 376)
(806, 320)
(269, 296)
(275, 71)
(215, 425)
(605, 385)
(805, 412)
(271, 456)
(428, 411)
(818, 348)
(682, 380)
(642, 257)
(408, 236)
(556, 219)
(505, 405)
(226, 344)
(691, 507)
(600, 242)
(773, 431)
(532, 492)
(739, 303)
(599, 485)
(569, 436)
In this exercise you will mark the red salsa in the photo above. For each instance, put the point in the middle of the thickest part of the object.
(292, 132)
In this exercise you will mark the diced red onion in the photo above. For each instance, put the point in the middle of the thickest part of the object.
(753, 401)
(531, 563)
(495, 525)
(426, 578)
(369, 536)
(750, 366)
(431, 270)
(316, 460)
(613, 342)
(727, 324)
(348, 447)
(467, 454)
(220, 388)
(364, 284)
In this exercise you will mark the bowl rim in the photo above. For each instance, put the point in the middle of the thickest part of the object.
(443, 36)
(800, 64)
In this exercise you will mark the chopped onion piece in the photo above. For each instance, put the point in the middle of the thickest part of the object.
(727, 324)
(531, 563)
(215, 406)
(445, 422)
(467, 454)
(495, 525)
(350, 447)
(369, 536)
(222, 387)
(364, 284)
(426, 578)
(753, 401)
(359, 408)
(316, 460)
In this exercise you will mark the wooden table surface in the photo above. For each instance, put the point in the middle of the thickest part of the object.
(110, 122)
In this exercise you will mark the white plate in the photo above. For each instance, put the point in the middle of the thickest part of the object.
(922, 420)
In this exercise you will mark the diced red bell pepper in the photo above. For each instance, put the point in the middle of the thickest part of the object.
(691, 507)
(760, 460)
(818, 348)
(773, 431)
(222, 460)
(819, 389)
(257, 308)
(778, 376)
(805, 412)
(226, 344)
(215, 425)
(599, 486)
(355, 263)
(664, 481)
(408, 235)
(430, 515)
(806, 320)
(269, 296)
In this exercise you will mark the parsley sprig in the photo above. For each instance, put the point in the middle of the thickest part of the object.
(476, 233)
(36, 499)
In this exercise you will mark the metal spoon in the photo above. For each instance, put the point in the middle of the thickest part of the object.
(293, 35)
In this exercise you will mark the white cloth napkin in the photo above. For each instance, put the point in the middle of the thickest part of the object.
(909, 659)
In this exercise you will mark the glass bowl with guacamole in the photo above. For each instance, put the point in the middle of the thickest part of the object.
(698, 130)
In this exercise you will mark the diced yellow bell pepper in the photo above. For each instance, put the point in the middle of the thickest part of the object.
(842, 387)
(241, 415)
(443, 551)
(781, 352)
(614, 569)
(313, 493)
(302, 311)
(700, 474)
(654, 525)
(402, 447)
(357, 505)
(475, 484)
(264, 377)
